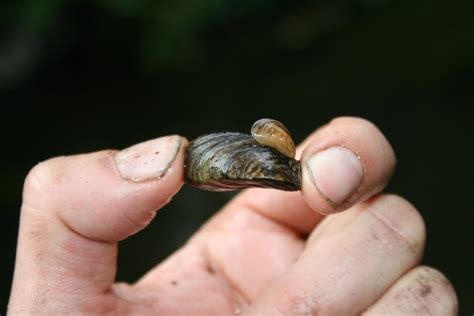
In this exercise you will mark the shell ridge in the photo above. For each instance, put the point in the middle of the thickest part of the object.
(231, 160)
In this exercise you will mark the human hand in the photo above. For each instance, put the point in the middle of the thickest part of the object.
(266, 252)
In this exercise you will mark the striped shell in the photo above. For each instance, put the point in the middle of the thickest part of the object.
(228, 161)
(274, 134)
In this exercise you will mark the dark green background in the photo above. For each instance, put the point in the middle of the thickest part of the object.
(79, 76)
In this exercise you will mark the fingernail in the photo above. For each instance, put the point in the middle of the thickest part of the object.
(336, 173)
(148, 160)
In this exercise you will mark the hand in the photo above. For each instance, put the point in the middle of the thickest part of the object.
(266, 253)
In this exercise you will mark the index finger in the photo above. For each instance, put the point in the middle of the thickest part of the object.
(75, 210)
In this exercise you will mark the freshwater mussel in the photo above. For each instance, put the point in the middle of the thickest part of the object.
(229, 160)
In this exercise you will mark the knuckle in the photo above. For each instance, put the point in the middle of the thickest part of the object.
(300, 303)
(402, 219)
(402, 204)
(43, 176)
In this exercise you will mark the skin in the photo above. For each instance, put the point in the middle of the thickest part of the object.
(266, 252)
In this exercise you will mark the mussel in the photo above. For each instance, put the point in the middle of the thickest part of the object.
(229, 160)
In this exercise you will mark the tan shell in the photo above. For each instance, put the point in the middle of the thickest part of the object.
(274, 134)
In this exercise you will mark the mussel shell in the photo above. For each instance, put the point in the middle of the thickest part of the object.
(228, 161)
(272, 133)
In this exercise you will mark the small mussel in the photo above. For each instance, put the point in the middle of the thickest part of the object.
(228, 160)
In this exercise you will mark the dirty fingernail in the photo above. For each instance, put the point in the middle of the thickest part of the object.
(336, 173)
(148, 160)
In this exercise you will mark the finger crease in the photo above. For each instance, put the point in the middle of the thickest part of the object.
(74, 231)
(131, 220)
(392, 228)
(61, 221)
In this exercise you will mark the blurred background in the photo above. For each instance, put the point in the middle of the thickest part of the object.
(79, 76)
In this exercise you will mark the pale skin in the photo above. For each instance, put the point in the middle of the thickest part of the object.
(316, 252)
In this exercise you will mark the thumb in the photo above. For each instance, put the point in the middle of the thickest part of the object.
(75, 209)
